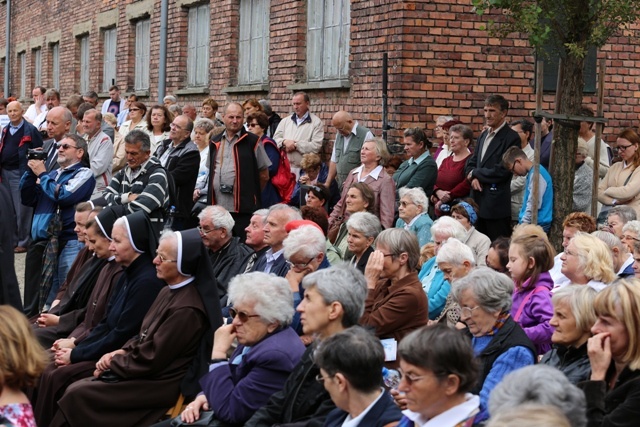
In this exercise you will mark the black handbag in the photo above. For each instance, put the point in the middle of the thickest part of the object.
(206, 419)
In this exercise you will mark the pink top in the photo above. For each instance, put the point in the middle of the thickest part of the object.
(18, 414)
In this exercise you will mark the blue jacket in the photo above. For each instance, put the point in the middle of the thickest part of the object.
(60, 189)
(437, 291)
(545, 212)
(385, 411)
(421, 228)
(249, 383)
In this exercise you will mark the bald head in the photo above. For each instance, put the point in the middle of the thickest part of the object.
(14, 111)
(58, 122)
(343, 122)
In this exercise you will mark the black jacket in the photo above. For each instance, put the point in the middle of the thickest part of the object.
(495, 198)
(573, 362)
(302, 402)
(384, 412)
(619, 407)
(228, 262)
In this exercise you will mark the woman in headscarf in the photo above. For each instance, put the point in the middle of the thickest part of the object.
(133, 245)
(137, 383)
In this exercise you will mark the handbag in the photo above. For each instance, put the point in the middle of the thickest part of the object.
(206, 419)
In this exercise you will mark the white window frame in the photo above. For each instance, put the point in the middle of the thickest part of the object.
(198, 46)
(253, 61)
(328, 34)
(109, 76)
(84, 63)
(55, 65)
(143, 49)
(22, 63)
(37, 66)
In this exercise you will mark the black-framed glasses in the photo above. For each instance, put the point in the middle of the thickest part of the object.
(299, 265)
(513, 166)
(241, 315)
(410, 378)
(134, 109)
(321, 379)
(173, 125)
(623, 147)
(163, 259)
(65, 146)
(252, 125)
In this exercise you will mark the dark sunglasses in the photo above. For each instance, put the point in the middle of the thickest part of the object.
(244, 317)
(65, 146)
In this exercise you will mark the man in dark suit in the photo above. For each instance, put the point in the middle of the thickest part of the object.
(489, 179)
(273, 260)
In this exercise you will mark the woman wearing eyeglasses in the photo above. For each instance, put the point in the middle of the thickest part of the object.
(413, 216)
(137, 111)
(621, 184)
(631, 234)
(396, 303)
(499, 343)
(438, 375)
(268, 349)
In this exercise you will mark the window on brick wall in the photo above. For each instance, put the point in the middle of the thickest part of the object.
(22, 63)
(55, 65)
(198, 46)
(551, 66)
(143, 48)
(109, 66)
(328, 26)
(253, 64)
(37, 67)
(84, 63)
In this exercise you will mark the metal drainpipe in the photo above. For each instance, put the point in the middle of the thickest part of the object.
(7, 58)
(162, 71)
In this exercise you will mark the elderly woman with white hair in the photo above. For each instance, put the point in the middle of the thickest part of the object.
(573, 317)
(543, 385)
(499, 343)
(262, 313)
(455, 260)
(433, 281)
(362, 229)
(587, 261)
(305, 252)
(631, 234)
(412, 212)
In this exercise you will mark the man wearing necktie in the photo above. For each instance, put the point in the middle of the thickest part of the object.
(15, 141)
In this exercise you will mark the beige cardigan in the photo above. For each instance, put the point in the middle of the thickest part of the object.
(612, 187)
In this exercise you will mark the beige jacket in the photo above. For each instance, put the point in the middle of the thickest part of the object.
(613, 187)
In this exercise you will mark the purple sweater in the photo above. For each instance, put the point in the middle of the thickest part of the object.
(537, 311)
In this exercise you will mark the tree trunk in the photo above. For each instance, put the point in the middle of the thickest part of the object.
(565, 135)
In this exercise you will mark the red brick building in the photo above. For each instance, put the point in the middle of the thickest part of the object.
(440, 60)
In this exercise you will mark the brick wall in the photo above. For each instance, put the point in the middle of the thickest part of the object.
(440, 60)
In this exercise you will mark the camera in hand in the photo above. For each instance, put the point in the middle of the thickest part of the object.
(34, 154)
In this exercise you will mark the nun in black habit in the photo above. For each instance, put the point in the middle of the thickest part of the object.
(143, 379)
(129, 301)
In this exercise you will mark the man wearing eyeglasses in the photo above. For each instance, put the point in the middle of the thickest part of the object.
(53, 196)
(226, 252)
(180, 157)
(15, 141)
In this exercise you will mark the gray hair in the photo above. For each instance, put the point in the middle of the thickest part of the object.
(381, 149)
(219, 217)
(169, 98)
(492, 290)
(306, 240)
(341, 283)
(175, 109)
(270, 294)
(529, 415)
(262, 213)
(544, 385)
(293, 213)
(266, 107)
(173, 237)
(136, 137)
(204, 124)
(580, 300)
(444, 118)
(417, 197)
(399, 240)
(454, 252)
(625, 213)
(633, 226)
(449, 227)
(365, 223)
(610, 239)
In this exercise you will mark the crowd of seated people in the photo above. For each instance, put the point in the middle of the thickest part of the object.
(307, 286)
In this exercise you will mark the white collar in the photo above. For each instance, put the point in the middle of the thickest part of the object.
(375, 173)
(355, 422)
(273, 256)
(183, 283)
(450, 417)
(415, 218)
(626, 264)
